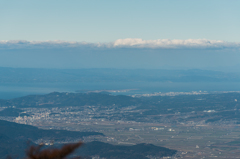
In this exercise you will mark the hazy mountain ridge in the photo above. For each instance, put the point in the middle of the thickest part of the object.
(37, 75)
(25, 132)
(14, 137)
(224, 105)
(13, 112)
(69, 99)
(139, 151)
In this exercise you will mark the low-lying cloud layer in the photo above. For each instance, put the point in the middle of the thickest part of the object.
(167, 43)
(125, 43)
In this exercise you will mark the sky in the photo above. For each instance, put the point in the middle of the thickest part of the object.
(120, 34)
(107, 20)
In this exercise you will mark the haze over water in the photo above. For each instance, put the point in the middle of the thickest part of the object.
(14, 90)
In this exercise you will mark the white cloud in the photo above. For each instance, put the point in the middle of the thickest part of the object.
(167, 43)
(124, 43)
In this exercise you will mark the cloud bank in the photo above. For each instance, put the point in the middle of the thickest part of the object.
(167, 43)
(125, 43)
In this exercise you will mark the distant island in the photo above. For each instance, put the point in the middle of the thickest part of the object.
(102, 91)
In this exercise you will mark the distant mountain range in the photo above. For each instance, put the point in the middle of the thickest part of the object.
(36, 75)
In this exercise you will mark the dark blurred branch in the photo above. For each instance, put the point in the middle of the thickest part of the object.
(36, 152)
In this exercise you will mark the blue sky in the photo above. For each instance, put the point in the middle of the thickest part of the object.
(108, 20)
(173, 34)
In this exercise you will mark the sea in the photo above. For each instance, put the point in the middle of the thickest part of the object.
(15, 90)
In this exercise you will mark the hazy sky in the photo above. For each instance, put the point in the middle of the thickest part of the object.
(109, 20)
(158, 34)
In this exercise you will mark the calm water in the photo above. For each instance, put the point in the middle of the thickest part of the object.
(13, 90)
